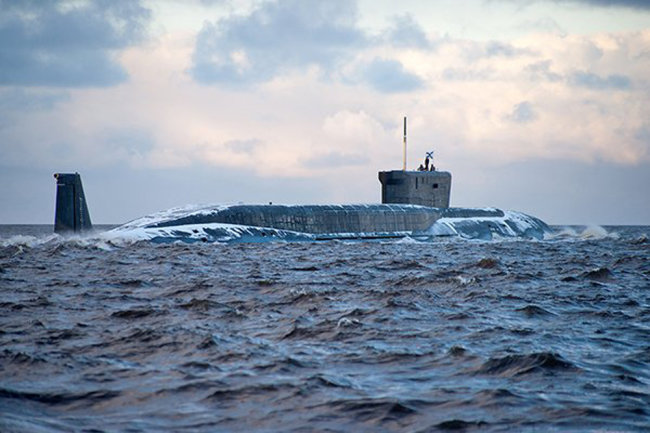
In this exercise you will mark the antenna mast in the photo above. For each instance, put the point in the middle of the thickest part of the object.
(404, 147)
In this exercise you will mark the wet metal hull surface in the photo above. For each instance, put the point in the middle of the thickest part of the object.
(258, 223)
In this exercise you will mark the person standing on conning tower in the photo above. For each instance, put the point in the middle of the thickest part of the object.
(428, 159)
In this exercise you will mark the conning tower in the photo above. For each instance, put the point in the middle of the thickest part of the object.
(426, 186)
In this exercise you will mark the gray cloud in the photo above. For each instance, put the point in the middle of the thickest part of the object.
(213, 2)
(544, 24)
(467, 74)
(522, 113)
(596, 82)
(643, 135)
(498, 48)
(474, 50)
(278, 36)
(18, 99)
(58, 43)
(406, 32)
(389, 76)
(542, 71)
(635, 4)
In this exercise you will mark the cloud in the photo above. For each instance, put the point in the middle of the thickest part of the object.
(244, 146)
(522, 113)
(632, 4)
(544, 24)
(596, 82)
(19, 99)
(476, 51)
(336, 160)
(502, 49)
(275, 38)
(467, 74)
(542, 71)
(406, 32)
(389, 76)
(635, 4)
(213, 2)
(58, 43)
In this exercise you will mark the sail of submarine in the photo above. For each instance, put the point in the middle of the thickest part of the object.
(413, 204)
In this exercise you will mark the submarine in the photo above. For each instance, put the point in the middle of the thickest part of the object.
(414, 204)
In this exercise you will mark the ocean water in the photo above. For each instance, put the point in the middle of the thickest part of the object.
(446, 335)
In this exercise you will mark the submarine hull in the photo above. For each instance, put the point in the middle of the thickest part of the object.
(259, 223)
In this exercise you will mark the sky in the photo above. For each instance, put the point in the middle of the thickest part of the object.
(540, 106)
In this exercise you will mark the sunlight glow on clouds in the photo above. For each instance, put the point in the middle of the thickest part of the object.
(294, 88)
(586, 90)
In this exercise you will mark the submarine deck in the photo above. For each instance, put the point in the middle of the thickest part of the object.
(323, 219)
(318, 219)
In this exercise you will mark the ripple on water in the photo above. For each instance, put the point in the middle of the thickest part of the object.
(447, 335)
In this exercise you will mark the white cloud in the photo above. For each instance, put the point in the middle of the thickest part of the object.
(390, 76)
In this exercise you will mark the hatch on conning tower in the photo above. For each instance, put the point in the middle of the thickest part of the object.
(425, 186)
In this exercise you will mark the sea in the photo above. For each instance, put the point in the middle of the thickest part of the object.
(447, 335)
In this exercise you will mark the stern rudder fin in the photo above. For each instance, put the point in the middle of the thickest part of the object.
(71, 213)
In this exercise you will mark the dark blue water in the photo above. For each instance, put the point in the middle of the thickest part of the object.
(450, 335)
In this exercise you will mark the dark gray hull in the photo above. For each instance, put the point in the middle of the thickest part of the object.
(258, 223)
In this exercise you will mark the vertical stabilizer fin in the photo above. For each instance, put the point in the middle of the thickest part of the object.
(71, 208)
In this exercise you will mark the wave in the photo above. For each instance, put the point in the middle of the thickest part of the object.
(532, 310)
(83, 399)
(590, 232)
(29, 241)
(377, 410)
(598, 274)
(494, 224)
(210, 232)
(93, 240)
(517, 365)
(460, 425)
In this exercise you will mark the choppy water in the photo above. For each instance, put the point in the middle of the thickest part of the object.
(451, 335)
